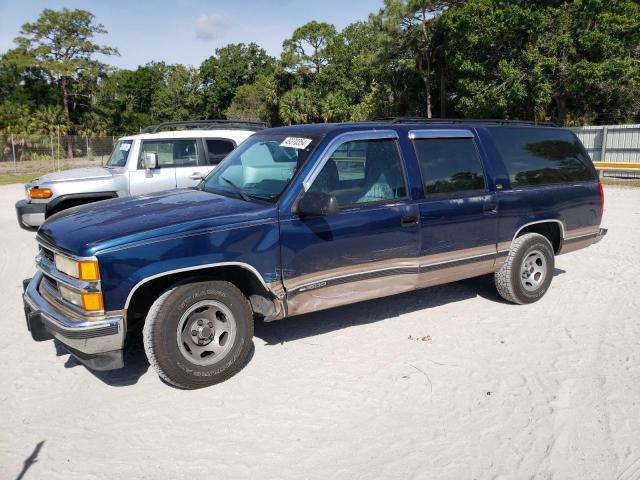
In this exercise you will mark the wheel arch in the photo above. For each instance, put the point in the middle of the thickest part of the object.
(552, 229)
(245, 277)
(64, 202)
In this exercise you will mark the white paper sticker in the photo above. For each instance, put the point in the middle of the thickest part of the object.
(296, 142)
(125, 146)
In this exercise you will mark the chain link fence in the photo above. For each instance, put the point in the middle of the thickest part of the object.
(47, 153)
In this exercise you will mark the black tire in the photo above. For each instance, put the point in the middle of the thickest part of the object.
(509, 280)
(173, 359)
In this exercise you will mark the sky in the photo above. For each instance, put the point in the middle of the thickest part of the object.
(188, 31)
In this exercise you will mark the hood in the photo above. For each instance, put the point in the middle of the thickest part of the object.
(88, 229)
(88, 173)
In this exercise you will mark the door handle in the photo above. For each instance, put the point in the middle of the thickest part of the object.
(408, 220)
(489, 208)
(196, 176)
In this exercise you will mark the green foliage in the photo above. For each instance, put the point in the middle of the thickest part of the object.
(574, 61)
(570, 61)
(232, 66)
(305, 51)
(298, 106)
(179, 98)
(59, 44)
(255, 102)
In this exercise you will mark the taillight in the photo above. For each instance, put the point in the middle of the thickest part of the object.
(601, 199)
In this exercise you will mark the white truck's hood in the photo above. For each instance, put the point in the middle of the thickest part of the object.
(88, 173)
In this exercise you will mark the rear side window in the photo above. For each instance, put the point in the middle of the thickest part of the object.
(542, 156)
(449, 165)
(217, 149)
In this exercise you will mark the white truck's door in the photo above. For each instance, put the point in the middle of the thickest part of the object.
(171, 152)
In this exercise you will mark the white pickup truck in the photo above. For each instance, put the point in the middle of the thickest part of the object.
(163, 157)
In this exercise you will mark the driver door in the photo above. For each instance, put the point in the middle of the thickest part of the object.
(171, 152)
(369, 247)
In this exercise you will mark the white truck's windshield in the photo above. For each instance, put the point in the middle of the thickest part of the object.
(261, 167)
(120, 154)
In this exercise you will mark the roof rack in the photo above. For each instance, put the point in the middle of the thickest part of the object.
(205, 125)
(401, 120)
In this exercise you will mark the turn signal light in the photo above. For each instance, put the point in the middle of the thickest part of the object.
(92, 302)
(36, 192)
(88, 270)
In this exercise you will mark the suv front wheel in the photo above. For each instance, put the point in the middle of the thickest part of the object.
(526, 275)
(199, 334)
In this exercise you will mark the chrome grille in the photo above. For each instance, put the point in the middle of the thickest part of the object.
(46, 253)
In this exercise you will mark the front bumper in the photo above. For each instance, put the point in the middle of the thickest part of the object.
(97, 343)
(30, 215)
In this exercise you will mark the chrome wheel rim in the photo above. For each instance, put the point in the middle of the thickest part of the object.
(533, 271)
(206, 332)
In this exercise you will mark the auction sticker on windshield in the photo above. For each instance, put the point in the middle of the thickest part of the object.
(296, 142)
(125, 146)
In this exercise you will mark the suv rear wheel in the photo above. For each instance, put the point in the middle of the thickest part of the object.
(199, 334)
(526, 275)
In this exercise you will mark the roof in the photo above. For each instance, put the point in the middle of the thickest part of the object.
(321, 129)
(236, 135)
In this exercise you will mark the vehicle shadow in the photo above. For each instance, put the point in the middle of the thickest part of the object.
(311, 324)
(135, 365)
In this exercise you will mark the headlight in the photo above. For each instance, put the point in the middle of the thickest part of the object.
(90, 301)
(84, 269)
(39, 193)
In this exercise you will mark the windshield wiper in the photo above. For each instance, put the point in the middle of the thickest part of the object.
(238, 190)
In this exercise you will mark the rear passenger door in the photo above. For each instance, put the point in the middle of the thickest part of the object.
(210, 152)
(189, 159)
(458, 216)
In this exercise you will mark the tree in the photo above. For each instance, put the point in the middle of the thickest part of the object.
(298, 106)
(571, 61)
(179, 97)
(60, 43)
(230, 67)
(49, 119)
(255, 102)
(124, 98)
(305, 51)
(409, 26)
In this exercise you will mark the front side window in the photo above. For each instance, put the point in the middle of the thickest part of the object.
(120, 154)
(261, 167)
(217, 149)
(363, 171)
(449, 165)
(542, 156)
(171, 153)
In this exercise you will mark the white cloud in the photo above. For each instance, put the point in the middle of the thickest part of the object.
(208, 26)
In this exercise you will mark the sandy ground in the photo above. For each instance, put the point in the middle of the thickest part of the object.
(444, 383)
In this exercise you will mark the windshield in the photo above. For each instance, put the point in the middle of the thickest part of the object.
(120, 153)
(261, 167)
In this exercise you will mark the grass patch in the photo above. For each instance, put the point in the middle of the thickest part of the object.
(9, 178)
(621, 182)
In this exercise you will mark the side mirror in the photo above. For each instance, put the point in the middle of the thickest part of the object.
(150, 163)
(315, 204)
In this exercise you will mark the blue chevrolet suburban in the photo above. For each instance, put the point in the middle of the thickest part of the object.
(304, 218)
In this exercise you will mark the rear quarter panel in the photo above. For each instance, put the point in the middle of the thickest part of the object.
(575, 205)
